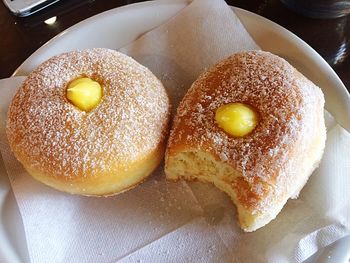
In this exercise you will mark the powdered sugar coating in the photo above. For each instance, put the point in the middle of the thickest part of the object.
(287, 105)
(47, 133)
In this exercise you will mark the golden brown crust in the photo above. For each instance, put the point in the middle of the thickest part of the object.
(54, 139)
(287, 104)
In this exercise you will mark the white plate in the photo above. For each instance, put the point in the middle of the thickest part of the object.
(117, 27)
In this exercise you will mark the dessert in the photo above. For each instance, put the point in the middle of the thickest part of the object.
(90, 122)
(254, 127)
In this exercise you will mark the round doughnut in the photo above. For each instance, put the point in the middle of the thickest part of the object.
(104, 151)
(261, 170)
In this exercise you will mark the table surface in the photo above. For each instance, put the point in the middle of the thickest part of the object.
(20, 37)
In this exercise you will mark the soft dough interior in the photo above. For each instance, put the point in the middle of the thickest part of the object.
(202, 166)
(191, 164)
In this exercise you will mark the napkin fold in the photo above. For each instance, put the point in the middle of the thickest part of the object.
(202, 34)
(181, 222)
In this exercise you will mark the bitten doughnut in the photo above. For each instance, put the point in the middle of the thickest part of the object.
(90, 122)
(254, 127)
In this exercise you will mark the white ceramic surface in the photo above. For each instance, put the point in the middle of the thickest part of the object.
(116, 28)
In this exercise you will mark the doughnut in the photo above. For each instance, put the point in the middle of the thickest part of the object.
(89, 122)
(253, 126)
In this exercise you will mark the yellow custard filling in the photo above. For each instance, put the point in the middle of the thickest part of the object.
(237, 119)
(84, 93)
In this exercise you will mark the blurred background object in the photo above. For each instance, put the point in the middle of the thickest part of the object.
(27, 7)
(319, 8)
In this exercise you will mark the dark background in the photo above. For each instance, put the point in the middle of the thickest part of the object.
(20, 37)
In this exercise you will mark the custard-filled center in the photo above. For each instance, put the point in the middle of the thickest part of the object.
(84, 93)
(237, 119)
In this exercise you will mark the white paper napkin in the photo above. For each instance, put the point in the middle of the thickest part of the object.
(179, 222)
